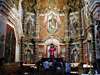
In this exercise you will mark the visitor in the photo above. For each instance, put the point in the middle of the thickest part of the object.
(67, 68)
(46, 65)
(52, 49)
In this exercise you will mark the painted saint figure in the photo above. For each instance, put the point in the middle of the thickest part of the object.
(52, 50)
(28, 56)
(52, 27)
(52, 19)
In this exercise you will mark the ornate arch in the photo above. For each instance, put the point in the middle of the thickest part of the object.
(54, 41)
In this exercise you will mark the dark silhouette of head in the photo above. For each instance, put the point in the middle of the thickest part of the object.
(52, 45)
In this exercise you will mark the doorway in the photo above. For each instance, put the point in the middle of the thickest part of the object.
(10, 45)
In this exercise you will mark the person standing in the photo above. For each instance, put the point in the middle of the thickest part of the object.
(52, 50)
(46, 65)
(67, 68)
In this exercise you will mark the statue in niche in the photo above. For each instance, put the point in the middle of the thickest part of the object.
(98, 39)
(28, 56)
(75, 55)
(52, 24)
(29, 23)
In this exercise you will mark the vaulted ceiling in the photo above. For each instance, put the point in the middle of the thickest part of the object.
(42, 5)
(28, 5)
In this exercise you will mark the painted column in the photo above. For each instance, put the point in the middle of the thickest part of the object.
(45, 51)
(58, 53)
(18, 31)
(17, 52)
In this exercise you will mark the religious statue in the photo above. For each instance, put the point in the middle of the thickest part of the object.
(76, 55)
(28, 56)
(53, 22)
(52, 50)
(98, 35)
(52, 27)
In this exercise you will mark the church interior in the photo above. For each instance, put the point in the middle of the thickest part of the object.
(32, 31)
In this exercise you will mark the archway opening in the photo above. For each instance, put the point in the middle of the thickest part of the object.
(10, 45)
(56, 46)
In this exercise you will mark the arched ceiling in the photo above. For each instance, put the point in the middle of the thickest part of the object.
(28, 5)
(73, 5)
(43, 5)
